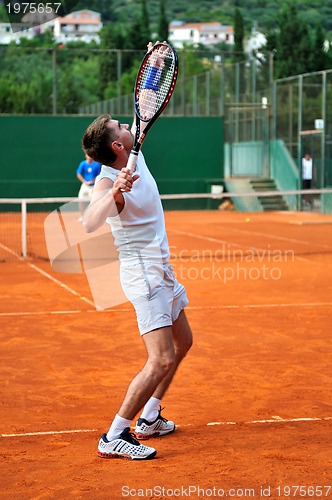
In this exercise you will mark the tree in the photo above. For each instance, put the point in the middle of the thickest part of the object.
(297, 48)
(145, 22)
(290, 35)
(111, 38)
(45, 39)
(163, 23)
(139, 34)
(319, 59)
(238, 52)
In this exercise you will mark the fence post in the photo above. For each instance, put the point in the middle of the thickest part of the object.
(290, 119)
(183, 83)
(274, 111)
(207, 94)
(271, 75)
(299, 137)
(222, 86)
(323, 179)
(253, 96)
(237, 82)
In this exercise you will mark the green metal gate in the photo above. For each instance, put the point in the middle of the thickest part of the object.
(247, 133)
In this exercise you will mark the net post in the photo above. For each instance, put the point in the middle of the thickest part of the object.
(24, 228)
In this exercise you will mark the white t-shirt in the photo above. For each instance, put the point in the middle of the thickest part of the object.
(139, 230)
(307, 169)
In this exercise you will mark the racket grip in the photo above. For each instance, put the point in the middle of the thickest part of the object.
(132, 160)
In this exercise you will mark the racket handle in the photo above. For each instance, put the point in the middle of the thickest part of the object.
(132, 160)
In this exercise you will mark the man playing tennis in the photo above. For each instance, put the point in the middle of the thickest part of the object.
(130, 203)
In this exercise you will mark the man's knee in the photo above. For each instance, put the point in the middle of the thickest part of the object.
(162, 364)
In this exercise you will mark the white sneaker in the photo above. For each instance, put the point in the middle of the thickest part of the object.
(125, 446)
(160, 427)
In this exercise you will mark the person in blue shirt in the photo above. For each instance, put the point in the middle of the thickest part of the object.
(86, 173)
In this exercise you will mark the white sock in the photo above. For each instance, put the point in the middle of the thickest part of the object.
(151, 409)
(117, 426)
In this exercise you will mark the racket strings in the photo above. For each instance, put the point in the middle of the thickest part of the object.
(150, 101)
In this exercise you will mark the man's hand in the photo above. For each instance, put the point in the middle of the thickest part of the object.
(157, 58)
(147, 98)
(123, 184)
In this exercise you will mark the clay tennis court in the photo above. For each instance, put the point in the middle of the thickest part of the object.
(252, 401)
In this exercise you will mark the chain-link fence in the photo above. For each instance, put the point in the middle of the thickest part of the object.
(92, 80)
(35, 80)
(303, 119)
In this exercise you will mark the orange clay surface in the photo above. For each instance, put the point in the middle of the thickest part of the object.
(252, 400)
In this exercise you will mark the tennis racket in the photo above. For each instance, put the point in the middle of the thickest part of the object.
(154, 87)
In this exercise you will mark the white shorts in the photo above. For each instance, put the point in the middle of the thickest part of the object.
(85, 192)
(157, 296)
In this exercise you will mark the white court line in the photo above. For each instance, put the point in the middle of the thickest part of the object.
(257, 306)
(274, 420)
(74, 311)
(190, 308)
(41, 313)
(47, 433)
(247, 247)
(281, 238)
(48, 276)
(60, 283)
(310, 223)
(214, 240)
(12, 252)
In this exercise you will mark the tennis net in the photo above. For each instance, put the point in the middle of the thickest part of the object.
(203, 225)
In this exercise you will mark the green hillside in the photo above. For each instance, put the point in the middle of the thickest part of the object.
(262, 12)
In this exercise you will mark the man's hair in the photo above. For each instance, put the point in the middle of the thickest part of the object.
(97, 139)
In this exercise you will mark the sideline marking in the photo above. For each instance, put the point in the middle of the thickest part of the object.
(254, 306)
(274, 420)
(12, 252)
(241, 231)
(231, 244)
(47, 433)
(190, 308)
(281, 238)
(39, 313)
(210, 238)
(60, 283)
(47, 275)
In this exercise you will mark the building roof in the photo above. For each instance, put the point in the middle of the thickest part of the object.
(213, 26)
(81, 17)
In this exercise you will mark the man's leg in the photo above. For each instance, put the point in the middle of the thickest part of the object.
(166, 347)
(161, 359)
(151, 422)
(183, 340)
